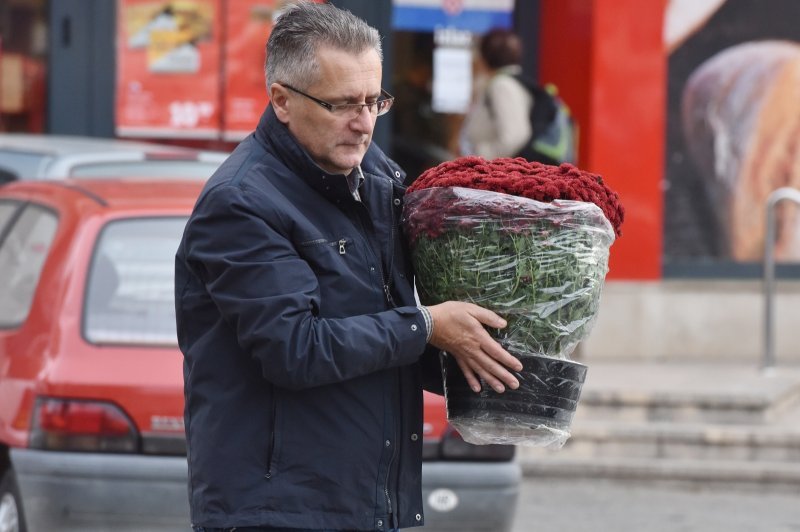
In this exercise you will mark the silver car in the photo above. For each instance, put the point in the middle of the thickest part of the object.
(29, 156)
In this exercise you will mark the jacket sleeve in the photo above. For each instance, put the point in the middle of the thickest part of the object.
(268, 295)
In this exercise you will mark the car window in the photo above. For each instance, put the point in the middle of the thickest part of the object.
(22, 165)
(148, 168)
(7, 176)
(23, 251)
(7, 209)
(130, 295)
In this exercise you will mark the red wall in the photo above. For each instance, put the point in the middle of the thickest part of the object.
(608, 60)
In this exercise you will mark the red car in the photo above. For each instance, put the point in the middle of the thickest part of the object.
(91, 388)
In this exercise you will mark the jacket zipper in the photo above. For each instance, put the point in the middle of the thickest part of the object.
(386, 280)
(387, 277)
(271, 452)
(386, 490)
(341, 243)
(395, 449)
(387, 290)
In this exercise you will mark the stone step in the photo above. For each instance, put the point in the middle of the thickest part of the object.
(762, 476)
(776, 442)
(694, 393)
(699, 423)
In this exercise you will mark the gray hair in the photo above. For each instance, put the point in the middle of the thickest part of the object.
(301, 29)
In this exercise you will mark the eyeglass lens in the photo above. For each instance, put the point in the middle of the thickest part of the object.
(378, 108)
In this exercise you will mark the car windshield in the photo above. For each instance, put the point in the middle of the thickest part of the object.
(130, 296)
(147, 168)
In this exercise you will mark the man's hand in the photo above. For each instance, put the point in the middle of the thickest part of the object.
(458, 329)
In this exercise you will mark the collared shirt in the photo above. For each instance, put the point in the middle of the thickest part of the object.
(354, 180)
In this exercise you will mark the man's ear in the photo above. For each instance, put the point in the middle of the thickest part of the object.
(279, 96)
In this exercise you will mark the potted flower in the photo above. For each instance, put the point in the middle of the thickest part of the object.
(530, 242)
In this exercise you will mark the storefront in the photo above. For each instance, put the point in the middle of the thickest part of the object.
(23, 65)
(641, 78)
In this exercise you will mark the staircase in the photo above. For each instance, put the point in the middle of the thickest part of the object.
(681, 422)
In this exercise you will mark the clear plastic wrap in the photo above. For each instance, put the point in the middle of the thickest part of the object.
(541, 266)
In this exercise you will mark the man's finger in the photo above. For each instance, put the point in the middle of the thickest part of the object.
(487, 317)
(472, 380)
(496, 352)
(491, 380)
(499, 372)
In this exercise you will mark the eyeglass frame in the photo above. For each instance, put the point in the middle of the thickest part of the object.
(331, 108)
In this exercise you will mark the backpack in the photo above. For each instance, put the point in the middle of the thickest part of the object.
(554, 136)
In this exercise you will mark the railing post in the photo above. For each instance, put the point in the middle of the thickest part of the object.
(785, 193)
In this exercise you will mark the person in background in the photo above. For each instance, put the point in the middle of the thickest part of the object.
(305, 352)
(498, 124)
(419, 133)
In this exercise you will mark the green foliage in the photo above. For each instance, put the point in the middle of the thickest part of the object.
(543, 275)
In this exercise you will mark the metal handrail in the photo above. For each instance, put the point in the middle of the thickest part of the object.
(784, 193)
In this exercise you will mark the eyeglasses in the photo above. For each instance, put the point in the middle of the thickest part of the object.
(351, 110)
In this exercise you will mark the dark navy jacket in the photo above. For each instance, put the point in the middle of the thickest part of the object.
(303, 346)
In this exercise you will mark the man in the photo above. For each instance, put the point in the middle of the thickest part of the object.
(304, 349)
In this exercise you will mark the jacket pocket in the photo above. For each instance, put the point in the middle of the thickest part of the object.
(330, 258)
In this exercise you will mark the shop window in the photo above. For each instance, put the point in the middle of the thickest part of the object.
(23, 65)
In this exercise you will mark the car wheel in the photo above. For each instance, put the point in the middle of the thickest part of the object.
(10, 504)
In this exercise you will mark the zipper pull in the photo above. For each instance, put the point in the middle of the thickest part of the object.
(389, 298)
(342, 251)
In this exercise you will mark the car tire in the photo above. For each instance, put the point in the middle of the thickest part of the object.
(11, 517)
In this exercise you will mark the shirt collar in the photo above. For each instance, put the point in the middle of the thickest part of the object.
(354, 180)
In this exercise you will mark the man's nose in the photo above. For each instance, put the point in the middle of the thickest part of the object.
(364, 122)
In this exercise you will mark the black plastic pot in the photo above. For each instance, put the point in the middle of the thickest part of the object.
(539, 412)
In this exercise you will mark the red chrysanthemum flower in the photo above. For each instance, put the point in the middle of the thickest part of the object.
(533, 180)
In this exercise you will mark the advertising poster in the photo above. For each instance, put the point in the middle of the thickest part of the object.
(733, 128)
(168, 64)
(245, 95)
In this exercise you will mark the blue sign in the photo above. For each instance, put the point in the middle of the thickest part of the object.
(475, 16)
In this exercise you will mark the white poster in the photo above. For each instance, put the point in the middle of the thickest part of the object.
(452, 79)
